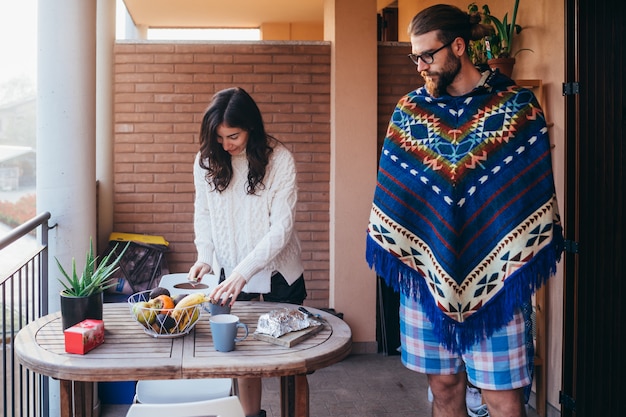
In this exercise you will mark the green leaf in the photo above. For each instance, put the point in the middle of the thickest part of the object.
(95, 277)
(502, 42)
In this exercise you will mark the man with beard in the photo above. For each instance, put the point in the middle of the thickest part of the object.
(464, 222)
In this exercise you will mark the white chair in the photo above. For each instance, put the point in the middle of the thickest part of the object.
(171, 391)
(220, 407)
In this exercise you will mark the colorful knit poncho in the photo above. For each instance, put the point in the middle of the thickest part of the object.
(465, 217)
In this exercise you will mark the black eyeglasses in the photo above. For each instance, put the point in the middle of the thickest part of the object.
(427, 57)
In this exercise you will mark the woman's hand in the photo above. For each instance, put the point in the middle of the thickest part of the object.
(230, 288)
(198, 270)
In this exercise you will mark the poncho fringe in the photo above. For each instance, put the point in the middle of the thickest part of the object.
(455, 336)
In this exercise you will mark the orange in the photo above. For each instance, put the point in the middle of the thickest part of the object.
(163, 303)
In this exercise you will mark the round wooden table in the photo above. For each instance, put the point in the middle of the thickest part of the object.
(129, 354)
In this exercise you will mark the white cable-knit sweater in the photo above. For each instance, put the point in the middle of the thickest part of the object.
(252, 235)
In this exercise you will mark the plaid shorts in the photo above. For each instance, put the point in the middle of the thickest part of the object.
(496, 363)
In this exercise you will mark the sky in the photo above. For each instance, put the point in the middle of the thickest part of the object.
(18, 39)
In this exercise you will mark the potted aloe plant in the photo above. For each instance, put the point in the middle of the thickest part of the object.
(498, 48)
(82, 295)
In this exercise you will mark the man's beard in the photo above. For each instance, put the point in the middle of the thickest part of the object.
(445, 77)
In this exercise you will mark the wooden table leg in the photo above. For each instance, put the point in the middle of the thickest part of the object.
(76, 398)
(65, 398)
(294, 396)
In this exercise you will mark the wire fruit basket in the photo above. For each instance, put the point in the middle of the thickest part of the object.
(161, 318)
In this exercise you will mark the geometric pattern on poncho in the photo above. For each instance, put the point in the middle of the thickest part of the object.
(455, 151)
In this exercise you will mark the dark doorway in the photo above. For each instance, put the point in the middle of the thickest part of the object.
(388, 315)
(595, 286)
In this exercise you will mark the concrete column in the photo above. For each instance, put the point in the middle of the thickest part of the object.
(105, 41)
(66, 184)
(351, 26)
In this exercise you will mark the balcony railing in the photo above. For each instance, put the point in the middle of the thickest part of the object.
(23, 298)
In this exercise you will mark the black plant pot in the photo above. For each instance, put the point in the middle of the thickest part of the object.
(76, 309)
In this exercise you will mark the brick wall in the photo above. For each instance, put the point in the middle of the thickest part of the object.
(161, 92)
(397, 75)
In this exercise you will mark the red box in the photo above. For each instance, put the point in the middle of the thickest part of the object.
(84, 336)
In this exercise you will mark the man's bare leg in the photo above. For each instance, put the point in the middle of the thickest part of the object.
(507, 403)
(448, 395)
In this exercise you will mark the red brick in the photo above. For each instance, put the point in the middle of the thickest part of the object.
(133, 158)
(134, 178)
(213, 78)
(178, 216)
(161, 168)
(183, 141)
(154, 68)
(175, 118)
(181, 48)
(131, 97)
(156, 48)
(154, 108)
(154, 88)
(270, 68)
(153, 127)
(257, 82)
(184, 127)
(173, 78)
(293, 59)
(173, 98)
(134, 58)
(213, 59)
(123, 48)
(134, 138)
(234, 69)
(134, 198)
(134, 78)
(133, 118)
(170, 58)
(193, 88)
(152, 188)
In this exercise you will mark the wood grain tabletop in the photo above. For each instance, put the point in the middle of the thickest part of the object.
(129, 354)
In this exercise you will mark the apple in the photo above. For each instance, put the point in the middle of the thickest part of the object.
(144, 313)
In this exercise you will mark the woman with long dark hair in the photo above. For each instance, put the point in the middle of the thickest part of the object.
(245, 207)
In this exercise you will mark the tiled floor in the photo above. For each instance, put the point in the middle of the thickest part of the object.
(361, 385)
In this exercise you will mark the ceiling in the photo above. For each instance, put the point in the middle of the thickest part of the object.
(222, 13)
(227, 13)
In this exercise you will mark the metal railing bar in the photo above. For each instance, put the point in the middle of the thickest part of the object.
(25, 229)
(24, 298)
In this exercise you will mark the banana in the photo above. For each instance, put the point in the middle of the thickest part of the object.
(191, 300)
(187, 318)
(183, 314)
(194, 316)
(182, 322)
